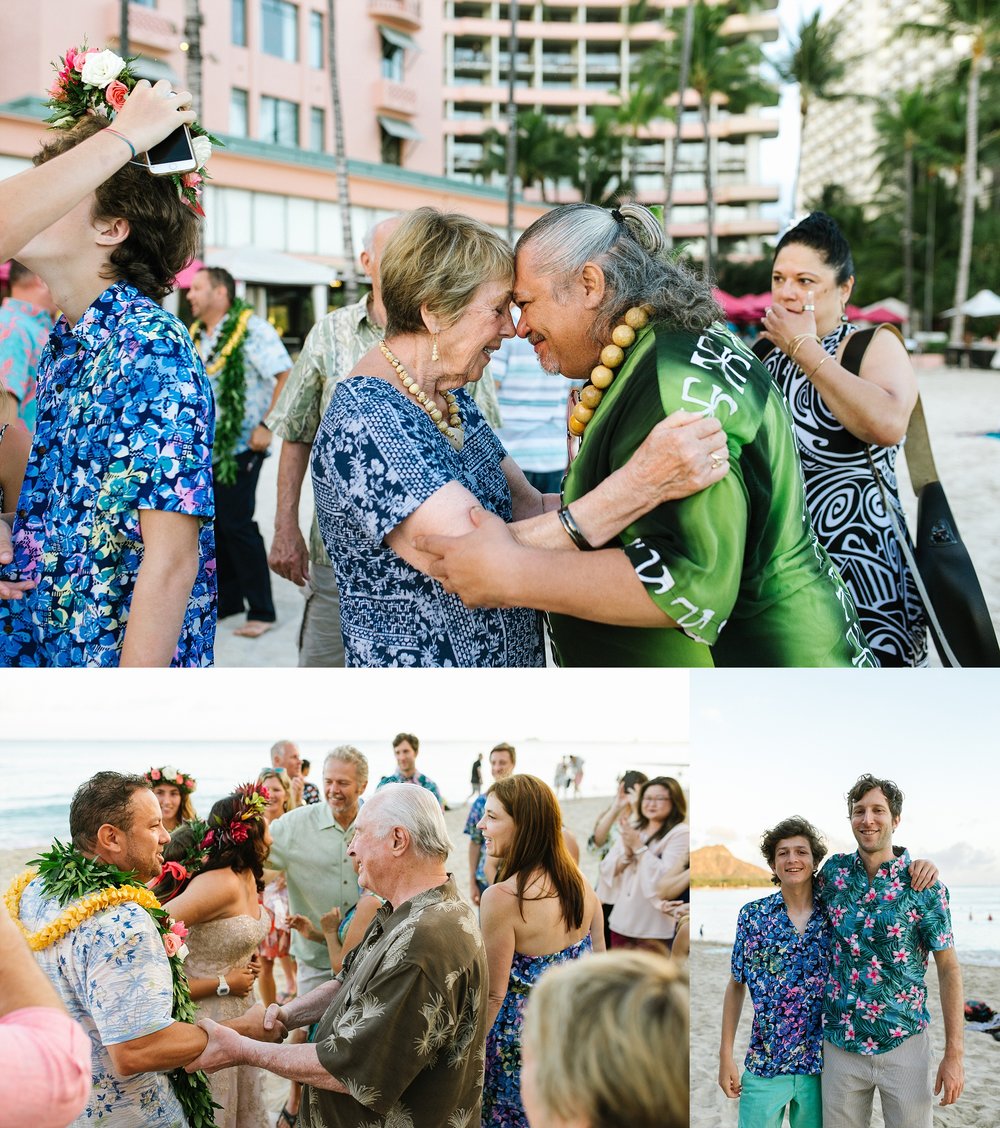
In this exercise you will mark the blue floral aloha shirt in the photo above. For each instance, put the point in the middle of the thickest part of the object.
(476, 835)
(883, 932)
(377, 457)
(424, 781)
(114, 978)
(125, 423)
(786, 973)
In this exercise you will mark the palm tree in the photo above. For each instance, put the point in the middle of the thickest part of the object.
(544, 152)
(815, 65)
(723, 71)
(919, 125)
(683, 71)
(599, 158)
(340, 155)
(978, 21)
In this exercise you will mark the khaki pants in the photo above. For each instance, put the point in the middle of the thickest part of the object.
(902, 1077)
(320, 640)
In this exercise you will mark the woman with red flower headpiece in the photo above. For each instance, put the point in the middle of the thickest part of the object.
(221, 908)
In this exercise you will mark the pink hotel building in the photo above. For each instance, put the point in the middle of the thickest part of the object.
(420, 80)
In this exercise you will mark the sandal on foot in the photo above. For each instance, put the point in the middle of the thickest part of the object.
(286, 1117)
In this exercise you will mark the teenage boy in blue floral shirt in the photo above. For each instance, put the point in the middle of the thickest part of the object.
(875, 1011)
(781, 954)
(113, 529)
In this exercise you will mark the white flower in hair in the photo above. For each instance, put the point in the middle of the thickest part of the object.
(102, 68)
(170, 773)
(202, 150)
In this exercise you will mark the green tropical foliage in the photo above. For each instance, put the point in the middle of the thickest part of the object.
(724, 70)
(814, 63)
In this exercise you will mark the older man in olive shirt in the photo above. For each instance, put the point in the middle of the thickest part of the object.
(402, 1028)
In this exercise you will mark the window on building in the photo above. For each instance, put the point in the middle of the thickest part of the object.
(316, 51)
(144, 3)
(238, 19)
(279, 121)
(279, 28)
(392, 148)
(317, 129)
(392, 61)
(239, 112)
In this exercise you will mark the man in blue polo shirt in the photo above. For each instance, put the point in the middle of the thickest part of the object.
(781, 954)
(875, 1013)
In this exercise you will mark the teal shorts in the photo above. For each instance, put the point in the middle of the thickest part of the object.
(763, 1101)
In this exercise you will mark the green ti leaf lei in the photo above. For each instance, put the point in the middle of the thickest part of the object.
(230, 390)
(68, 876)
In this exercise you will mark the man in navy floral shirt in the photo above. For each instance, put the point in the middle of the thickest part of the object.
(405, 748)
(113, 546)
(875, 1012)
(781, 954)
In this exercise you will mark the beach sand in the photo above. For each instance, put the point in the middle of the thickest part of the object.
(956, 403)
(977, 1107)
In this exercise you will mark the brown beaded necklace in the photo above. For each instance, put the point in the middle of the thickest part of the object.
(453, 430)
(584, 404)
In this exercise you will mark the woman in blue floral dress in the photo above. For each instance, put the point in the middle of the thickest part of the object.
(403, 452)
(540, 913)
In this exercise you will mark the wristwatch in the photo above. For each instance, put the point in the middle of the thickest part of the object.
(641, 850)
(223, 988)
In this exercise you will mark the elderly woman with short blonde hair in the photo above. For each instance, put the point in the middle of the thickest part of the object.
(403, 452)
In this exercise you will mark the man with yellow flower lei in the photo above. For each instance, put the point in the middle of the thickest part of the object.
(247, 366)
(114, 956)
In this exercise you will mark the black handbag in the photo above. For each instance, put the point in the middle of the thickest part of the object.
(942, 569)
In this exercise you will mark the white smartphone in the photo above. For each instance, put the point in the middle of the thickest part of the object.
(174, 153)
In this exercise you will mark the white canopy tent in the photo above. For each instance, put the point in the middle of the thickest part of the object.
(984, 304)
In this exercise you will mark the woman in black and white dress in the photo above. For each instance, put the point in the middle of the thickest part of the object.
(838, 418)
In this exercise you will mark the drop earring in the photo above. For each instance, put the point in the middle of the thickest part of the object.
(843, 315)
(434, 350)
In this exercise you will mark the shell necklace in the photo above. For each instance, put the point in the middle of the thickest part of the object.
(584, 404)
(452, 430)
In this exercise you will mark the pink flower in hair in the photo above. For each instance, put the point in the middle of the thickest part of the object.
(191, 179)
(239, 831)
(155, 773)
(80, 57)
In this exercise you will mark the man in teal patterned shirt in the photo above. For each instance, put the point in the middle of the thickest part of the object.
(875, 1012)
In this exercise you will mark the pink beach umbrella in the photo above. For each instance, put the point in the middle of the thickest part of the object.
(877, 316)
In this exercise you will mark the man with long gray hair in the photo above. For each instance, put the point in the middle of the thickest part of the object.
(402, 1028)
(732, 575)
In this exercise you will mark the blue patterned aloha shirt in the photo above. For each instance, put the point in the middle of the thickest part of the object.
(376, 459)
(113, 977)
(124, 424)
(883, 932)
(786, 973)
(476, 835)
(424, 781)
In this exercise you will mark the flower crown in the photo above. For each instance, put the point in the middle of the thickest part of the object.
(253, 800)
(89, 81)
(169, 774)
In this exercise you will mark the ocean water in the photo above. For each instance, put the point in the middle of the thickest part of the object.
(39, 777)
(977, 938)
